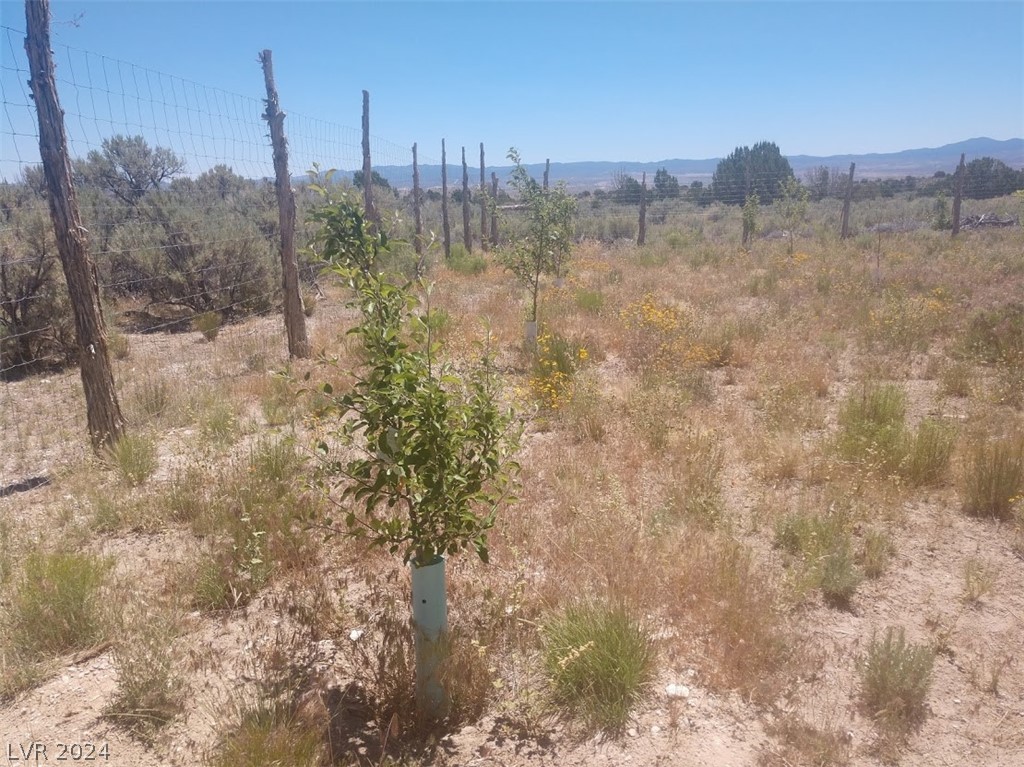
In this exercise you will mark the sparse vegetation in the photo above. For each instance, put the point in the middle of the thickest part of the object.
(735, 443)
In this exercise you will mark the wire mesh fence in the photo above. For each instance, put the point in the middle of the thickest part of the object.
(175, 181)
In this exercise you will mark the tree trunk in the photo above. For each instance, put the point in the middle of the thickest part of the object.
(294, 316)
(483, 202)
(467, 234)
(494, 214)
(446, 227)
(371, 211)
(847, 202)
(417, 213)
(547, 172)
(641, 238)
(103, 412)
(961, 171)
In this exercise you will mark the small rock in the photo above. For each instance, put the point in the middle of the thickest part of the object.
(677, 691)
(957, 701)
(631, 732)
(655, 729)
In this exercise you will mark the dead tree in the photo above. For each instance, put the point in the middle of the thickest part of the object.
(467, 235)
(844, 231)
(103, 411)
(294, 316)
(547, 172)
(446, 226)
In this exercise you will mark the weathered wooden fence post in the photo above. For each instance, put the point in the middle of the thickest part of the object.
(103, 411)
(961, 171)
(494, 213)
(844, 231)
(417, 215)
(467, 234)
(294, 317)
(446, 226)
(371, 211)
(641, 238)
(483, 202)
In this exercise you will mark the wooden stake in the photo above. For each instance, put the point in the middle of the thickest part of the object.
(294, 316)
(483, 202)
(446, 227)
(642, 236)
(961, 171)
(467, 235)
(494, 214)
(417, 240)
(371, 211)
(847, 202)
(103, 411)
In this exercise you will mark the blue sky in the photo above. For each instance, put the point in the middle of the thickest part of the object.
(639, 81)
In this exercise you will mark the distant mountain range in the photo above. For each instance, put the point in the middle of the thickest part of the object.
(601, 174)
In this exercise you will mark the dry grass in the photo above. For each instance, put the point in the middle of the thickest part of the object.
(747, 437)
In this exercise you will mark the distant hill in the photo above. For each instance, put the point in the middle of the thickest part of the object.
(601, 174)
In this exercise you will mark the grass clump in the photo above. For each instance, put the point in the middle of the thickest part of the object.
(56, 606)
(135, 458)
(600, 660)
(928, 452)
(993, 478)
(873, 434)
(270, 733)
(153, 397)
(150, 692)
(979, 580)
(590, 301)
(895, 677)
(871, 427)
(876, 551)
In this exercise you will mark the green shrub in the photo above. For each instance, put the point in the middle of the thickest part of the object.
(825, 546)
(464, 262)
(600, 661)
(993, 478)
(896, 676)
(208, 323)
(56, 607)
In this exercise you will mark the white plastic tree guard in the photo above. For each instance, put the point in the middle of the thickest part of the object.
(430, 621)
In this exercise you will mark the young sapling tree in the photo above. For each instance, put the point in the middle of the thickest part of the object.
(546, 245)
(434, 452)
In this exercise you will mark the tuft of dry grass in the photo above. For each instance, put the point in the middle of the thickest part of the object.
(993, 477)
